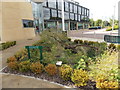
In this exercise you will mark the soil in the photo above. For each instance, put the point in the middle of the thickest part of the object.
(56, 78)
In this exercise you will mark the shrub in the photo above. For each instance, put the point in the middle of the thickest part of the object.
(76, 41)
(21, 54)
(86, 42)
(36, 68)
(80, 41)
(24, 66)
(51, 69)
(112, 46)
(69, 39)
(79, 77)
(65, 72)
(102, 82)
(118, 47)
(7, 45)
(11, 59)
(13, 65)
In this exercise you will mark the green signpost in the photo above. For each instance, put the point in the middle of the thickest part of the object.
(35, 47)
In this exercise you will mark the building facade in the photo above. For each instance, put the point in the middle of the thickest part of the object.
(48, 13)
(16, 21)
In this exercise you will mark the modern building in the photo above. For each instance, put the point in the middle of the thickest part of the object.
(48, 13)
(20, 19)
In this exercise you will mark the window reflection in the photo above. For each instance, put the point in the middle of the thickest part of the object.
(54, 13)
(66, 14)
(52, 3)
(66, 6)
(75, 9)
(59, 5)
(46, 12)
(28, 23)
(71, 16)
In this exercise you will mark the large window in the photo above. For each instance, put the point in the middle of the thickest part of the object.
(59, 14)
(83, 12)
(71, 7)
(66, 6)
(46, 12)
(72, 16)
(66, 14)
(59, 5)
(75, 9)
(76, 17)
(52, 3)
(27, 23)
(79, 10)
(54, 13)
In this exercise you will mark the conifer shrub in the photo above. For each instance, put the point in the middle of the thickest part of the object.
(51, 69)
(79, 77)
(65, 72)
(36, 68)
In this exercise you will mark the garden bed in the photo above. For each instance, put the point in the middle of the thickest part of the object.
(56, 78)
(85, 64)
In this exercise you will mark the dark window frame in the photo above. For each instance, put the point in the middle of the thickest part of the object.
(23, 21)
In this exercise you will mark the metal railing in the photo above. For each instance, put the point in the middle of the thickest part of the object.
(112, 39)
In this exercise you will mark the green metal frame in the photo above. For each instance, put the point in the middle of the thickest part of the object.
(35, 47)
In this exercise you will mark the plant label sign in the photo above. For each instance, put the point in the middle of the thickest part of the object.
(34, 47)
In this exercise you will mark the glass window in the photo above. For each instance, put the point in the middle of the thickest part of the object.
(59, 4)
(52, 3)
(87, 12)
(66, 6)
(66, 14)
(71, 7)
(46, 12)
(79, 10)
(59, 14)
(76, 17)
(82, 10)
(82, 17)
(45, 3)
(28, 23)
(54, 13)
(75, 9)
(72, 16)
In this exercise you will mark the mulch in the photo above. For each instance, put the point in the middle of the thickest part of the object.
(56, 78)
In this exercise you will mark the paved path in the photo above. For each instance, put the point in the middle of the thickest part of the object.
(16, 81)
(12, 50)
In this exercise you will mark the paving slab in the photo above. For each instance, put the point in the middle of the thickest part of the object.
(17, 81)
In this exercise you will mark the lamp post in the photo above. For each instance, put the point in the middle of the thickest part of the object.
(63, 22)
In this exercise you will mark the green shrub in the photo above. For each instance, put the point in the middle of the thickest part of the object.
(118, 47)
(51, 69)
(76, 41)
(7, 45)
(11, 59)
(112, 46)
(21, 54)
(69, 39)
(24, 66)
(80, 77)
(80, 41)
(65, 72)
(36, 68)
(13, 65)
(86, 42)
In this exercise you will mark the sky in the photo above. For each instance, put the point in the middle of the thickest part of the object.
(101, 9)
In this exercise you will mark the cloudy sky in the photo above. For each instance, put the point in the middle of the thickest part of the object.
(102, 9)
